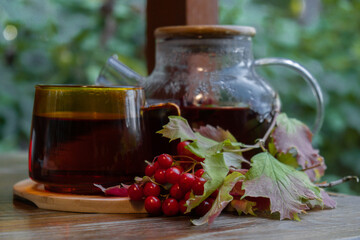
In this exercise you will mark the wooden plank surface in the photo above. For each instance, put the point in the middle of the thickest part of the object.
(19, 220)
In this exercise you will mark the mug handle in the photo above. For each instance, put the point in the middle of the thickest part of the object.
(168, 105)
(307, 77)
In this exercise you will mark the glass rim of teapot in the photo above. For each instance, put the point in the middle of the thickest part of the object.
(204, 31)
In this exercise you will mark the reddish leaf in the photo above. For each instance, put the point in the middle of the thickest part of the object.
(222, 199)
(291, 134)
(237, 190)
(119, 191)
(243, 206)
(327, 200)
(218, 134)
(290, 191)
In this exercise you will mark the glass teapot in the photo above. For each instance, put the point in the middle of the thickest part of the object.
(209, 72)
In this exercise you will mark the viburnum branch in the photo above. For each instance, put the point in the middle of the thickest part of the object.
(246, 149)
(312, 167)
(185, 161)
(154, 159)
(184, 156)
(246, 161)
(337, 182)
(191, 168)
(261, 143)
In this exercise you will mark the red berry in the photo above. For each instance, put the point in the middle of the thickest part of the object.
(150, 170)
(215, 193)
(203, 208)
(170, 207)
(153, 205)
(135, 192)
(210, 200)
(198, 186)
(160, 176)
(182, 206)
(151, 189)
(165, 161)
(186, 181)
(180, 168)
(199, 172)
(176, 192)
(181, 150)
(172, 175)
(156, 165)
(187, 196)
(199, 159)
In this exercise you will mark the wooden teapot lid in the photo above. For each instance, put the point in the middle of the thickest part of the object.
(204, 31)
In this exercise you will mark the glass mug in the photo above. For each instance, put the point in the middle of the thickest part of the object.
(81, 135)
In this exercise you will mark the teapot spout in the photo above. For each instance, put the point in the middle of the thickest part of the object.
(116, 73)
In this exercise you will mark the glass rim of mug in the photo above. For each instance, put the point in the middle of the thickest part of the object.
(79, 86)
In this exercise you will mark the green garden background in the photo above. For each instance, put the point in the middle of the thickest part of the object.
(60, 41)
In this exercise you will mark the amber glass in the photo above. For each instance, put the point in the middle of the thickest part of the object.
(82, 135)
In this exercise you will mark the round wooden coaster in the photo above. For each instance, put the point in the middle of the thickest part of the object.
(36, 193)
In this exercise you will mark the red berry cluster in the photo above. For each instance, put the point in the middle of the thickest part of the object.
(173, 178)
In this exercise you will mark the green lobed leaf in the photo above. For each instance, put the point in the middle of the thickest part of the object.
(202, 151)
(233, 159)
(216, 171)
(222, 200)
(272, 149)
(290, 191)
(178, 128)
(288, 159)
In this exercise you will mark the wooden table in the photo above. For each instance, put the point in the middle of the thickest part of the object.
(19, 220)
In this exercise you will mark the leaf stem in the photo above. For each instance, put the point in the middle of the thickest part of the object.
(337, 182)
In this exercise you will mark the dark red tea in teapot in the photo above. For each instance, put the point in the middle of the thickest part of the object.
(243, 123)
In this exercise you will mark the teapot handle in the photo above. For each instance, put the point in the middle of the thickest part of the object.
(308, 78)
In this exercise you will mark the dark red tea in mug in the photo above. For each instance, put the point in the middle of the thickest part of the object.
(74, 152)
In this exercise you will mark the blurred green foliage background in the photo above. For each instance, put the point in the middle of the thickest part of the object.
(60, 41)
